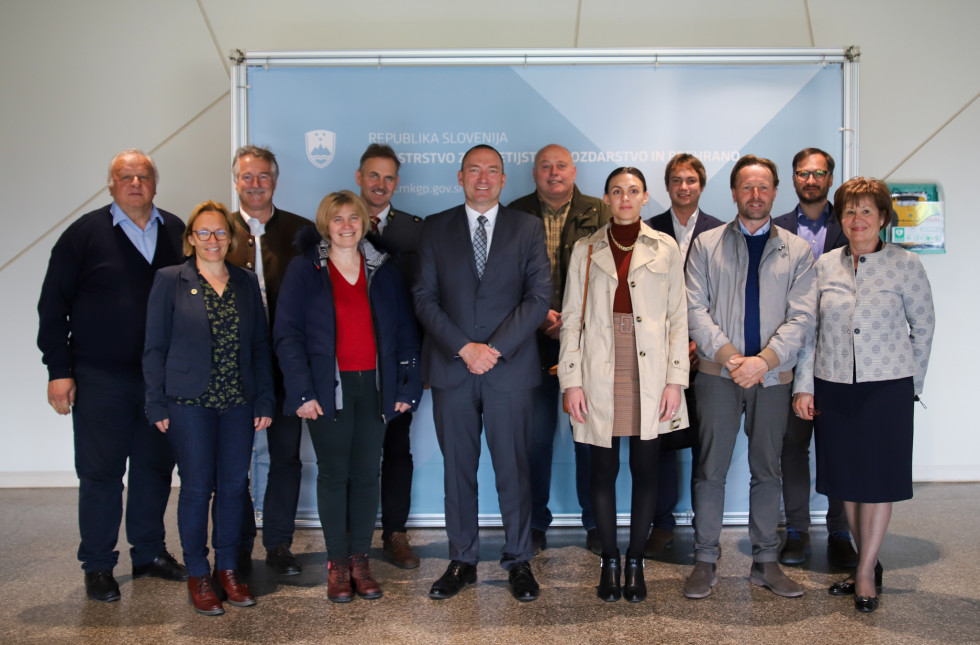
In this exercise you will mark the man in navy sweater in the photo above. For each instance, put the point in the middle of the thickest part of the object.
(92, 314)
(751, 299)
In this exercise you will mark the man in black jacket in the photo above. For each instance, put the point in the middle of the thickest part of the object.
(92, 313)
(685, 178)
(377, 177)
(265, 237)
(813, 220)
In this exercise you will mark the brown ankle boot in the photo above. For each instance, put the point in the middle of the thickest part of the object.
(361, 579)
(234, 590)
(338, 581)
(203, 597)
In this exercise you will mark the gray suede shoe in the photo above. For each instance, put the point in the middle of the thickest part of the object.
(771, 576)
(701, 580)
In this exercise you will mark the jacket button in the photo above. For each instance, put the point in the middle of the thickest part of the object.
(639, 319)
(633, 284)
(857, 331)
(642, 354)
(676, 362)
(571, 365)
(248, 265)
(862, 259)
(251, 241)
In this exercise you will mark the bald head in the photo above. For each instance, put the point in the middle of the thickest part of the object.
(554, 175)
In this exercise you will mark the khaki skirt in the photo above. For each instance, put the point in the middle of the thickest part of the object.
(626, 380)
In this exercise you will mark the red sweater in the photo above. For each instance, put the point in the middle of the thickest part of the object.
(355, 333)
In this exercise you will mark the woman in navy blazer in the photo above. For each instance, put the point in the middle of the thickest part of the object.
(348, 347)
(208, 372)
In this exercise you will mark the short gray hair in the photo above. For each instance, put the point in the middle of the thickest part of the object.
(133, 152)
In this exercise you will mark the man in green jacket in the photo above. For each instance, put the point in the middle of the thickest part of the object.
(567, 215)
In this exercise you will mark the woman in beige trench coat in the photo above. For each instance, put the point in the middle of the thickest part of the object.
(623, 369)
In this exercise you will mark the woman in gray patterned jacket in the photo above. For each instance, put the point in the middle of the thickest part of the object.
(863, 374)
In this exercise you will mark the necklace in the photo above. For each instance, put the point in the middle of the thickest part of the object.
(625, 249)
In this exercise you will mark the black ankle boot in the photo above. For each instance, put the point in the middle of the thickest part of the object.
(635, 588)
(609, 589)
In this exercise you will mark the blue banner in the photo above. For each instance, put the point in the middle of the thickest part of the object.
(319, 120)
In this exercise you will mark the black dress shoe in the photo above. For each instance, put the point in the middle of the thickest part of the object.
(458, 575)
(592, 541)
(163, 566)
(845, 587)
(865, 605)
(635, 587)
(539, 541)
(282, 561)
(101, 586)
(609, 588)
(523, 586)
(244, 561)
(840, 551)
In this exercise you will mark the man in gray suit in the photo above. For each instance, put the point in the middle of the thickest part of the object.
(813, 220)
(483, 288)
(400, 233)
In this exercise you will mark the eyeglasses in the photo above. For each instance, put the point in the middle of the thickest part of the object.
(803, 175)
(204, 235)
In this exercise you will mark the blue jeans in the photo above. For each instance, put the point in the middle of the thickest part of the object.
(213, 449)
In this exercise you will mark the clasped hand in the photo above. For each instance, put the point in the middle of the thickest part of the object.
(480, 358)
(747, 371)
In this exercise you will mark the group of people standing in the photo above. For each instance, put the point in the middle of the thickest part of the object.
(367, 304)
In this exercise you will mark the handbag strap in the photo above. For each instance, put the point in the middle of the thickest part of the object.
(585, 292)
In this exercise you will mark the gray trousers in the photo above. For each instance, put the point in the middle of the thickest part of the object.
(796, 479)
(721, 404)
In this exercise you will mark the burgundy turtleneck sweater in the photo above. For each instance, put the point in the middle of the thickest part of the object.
(626, 235)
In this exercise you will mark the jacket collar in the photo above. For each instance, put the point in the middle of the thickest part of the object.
(645, 251)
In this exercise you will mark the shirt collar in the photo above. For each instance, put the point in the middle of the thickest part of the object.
(813, 225)
(255, 226)
(120, 217)
(690, 222)
(762, 231)
(491, 214)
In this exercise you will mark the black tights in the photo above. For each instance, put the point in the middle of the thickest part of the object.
(643, 468)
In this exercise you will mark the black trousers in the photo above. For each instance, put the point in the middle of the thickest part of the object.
(396, 475)
(111, 429)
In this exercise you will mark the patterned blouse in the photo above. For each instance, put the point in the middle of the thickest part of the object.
(225, 389)
(875, 323)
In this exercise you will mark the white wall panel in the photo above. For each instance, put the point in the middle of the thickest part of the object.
(83, 80)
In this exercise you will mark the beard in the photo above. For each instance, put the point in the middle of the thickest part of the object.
(820, 197)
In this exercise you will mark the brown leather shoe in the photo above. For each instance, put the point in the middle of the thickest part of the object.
(399, 552)
(361, 579)
(203, 597)
(338, 581)
(659, 541)
(232, 589)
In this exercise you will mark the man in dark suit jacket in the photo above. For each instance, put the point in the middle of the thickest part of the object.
(813, 220)
(92, 314)
(265, 238)
(483, 288)
(567, 215)
(685, 178)
(401, 234)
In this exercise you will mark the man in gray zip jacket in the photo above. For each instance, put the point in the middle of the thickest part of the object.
(751, 306)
